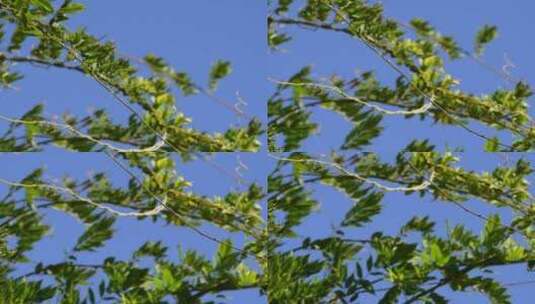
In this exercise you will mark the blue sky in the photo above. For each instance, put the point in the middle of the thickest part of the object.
(191, 35)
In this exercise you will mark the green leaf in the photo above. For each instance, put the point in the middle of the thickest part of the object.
(421, 26)
(276, 39)
(32, 192)
(225, 256)
(492, 145)
(185, 84)
(391, 296)
(34, 113)
(91, 295)
(219, 70)
(365, 130)
(165, 279)
(153, 249)
(72, 8)
(294, 202)
(493, 232)
(31, 131)
(513, 252)
(95, 235)
(421, 224)
(496, 292)
(363, 211)
(45, 5)
(163, 163)
(484, 36)
(366, 123)
(246, 277)
(439, 257)
(283, 6)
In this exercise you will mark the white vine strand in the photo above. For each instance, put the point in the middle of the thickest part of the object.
(424, 108)
(240, 105)
(425, 184)
(72, 193)
(158, 145)
(240, 168)
(508, 66)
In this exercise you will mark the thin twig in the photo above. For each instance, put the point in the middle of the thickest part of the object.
(72, 193)
(158, 145)
(424, 108)
(426, 183)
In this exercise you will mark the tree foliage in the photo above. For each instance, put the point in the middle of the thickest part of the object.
(355, 260)
(416, 54)
(358, 261)
(147, 147)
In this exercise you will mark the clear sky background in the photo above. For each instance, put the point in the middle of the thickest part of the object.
(191, 35)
